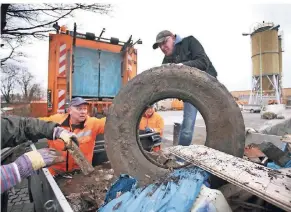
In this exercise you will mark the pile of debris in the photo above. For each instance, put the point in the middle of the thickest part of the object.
(271, 115)
(87, 193)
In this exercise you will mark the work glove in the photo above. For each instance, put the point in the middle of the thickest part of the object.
(149, 130)
(34, 160)
(65, 135)
(26, 164)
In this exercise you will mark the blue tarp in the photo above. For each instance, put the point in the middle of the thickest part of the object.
(177, 192)
(273, 165)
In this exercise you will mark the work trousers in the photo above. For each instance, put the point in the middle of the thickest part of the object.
(188, 124)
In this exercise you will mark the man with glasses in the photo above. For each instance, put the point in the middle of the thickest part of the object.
(184, 51)
(86, 129)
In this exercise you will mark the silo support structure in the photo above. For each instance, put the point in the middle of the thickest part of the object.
(254, 91)
(277, 88)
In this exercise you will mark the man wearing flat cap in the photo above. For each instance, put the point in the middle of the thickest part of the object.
(85, 128)
(184, 51)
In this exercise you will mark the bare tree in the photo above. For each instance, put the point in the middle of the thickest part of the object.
(36, 92)
(8, 81)
(30, 89)
(22, 22)
(25, 79)
(16, 98)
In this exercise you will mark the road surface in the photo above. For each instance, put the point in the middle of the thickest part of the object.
(252, 120)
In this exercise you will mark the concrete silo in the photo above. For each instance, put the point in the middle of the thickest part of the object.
(266, 63)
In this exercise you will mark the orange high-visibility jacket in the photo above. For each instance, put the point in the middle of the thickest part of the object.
(86, 137)
(156, 122)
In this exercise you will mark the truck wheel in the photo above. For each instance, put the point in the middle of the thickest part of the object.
(223, 119)
(252, 111)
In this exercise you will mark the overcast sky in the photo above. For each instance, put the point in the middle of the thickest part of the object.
(218, 27)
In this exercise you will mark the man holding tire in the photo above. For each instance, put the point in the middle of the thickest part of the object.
(185, 51)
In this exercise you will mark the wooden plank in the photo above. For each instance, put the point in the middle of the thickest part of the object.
(256, 179)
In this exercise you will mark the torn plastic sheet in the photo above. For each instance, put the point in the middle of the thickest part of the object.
(176, 192)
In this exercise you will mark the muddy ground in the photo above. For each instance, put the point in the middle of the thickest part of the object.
(87, 193)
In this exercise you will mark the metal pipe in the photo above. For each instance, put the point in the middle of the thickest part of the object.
(83, 36)
(103, 30)
(148, 135)
(251, 95)
(74, 46)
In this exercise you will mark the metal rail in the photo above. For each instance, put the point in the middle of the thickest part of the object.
(46, 193)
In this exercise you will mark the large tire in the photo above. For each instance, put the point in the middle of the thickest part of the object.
(223, 118)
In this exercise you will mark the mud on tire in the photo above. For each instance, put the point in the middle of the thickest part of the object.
(224, 122)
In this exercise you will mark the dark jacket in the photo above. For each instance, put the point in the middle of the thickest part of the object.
(16, 130)
(191, 53)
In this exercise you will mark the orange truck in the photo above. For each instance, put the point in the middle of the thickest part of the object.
(88, 66)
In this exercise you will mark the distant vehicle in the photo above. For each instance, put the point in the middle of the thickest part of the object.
(252, 108)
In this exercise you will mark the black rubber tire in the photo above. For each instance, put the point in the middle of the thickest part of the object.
(222, 116)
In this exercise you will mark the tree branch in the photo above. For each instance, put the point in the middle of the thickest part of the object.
(30, 33)
(50, 14)
(4, 9)
(37, 26)
(79, 6)
(26, 21)
(10, 55)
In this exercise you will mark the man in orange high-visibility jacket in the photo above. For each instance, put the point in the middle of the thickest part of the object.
(86, 129)
(152, 121)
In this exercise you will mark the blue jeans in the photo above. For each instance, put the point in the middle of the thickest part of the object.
(188, 124)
